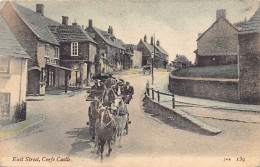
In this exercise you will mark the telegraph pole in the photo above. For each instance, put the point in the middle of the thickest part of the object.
(153, 59)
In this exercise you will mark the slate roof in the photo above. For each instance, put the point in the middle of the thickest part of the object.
(70, 33)
(214, 24)
(9, 44)
(161, 49)
(128, 46)
(37, 23)
(252, 25)
(108, 41)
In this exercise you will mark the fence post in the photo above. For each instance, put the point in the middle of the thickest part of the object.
(173, 101)
(147, 91)
(158, 96)
(152, 94)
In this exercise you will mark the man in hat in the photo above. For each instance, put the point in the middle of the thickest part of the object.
(128, 93)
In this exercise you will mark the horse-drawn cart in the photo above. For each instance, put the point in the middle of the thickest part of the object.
(147, 68)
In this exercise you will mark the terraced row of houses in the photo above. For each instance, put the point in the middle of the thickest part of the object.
(39, 54)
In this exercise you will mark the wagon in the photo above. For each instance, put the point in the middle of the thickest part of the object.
(147, 68)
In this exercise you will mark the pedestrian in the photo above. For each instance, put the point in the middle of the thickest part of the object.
(129, 92)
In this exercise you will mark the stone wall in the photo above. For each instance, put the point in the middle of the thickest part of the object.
(249, 75)
(225, 90)
(176, 118)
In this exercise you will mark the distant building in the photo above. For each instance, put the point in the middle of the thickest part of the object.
(13, 71)
(77, 51)
(218, 45)
(249, 60)
(111, 53)
(161, 57)
(136, 60)
(32, 30)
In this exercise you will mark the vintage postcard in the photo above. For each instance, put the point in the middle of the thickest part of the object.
(128, 83)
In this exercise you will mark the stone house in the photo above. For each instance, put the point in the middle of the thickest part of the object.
(161, 56)
(249, 60)
(77, 51)
(218, 45)
(136, 60)
(13, 71)
(110, 50)
(32, 30)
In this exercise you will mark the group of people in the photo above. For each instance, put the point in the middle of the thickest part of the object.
(103, 94)
(108, 89)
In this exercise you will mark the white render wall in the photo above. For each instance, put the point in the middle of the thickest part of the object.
(137, 59)
(15, 82)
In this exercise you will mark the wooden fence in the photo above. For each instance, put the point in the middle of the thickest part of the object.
(153, 93)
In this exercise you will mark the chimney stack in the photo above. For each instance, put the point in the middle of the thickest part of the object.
(111, 30)
(40, 9)
(158, 42)
(145, 38)
(152, 40)
(108, 30)
(90, 23)
(65, 20)
(221, 13)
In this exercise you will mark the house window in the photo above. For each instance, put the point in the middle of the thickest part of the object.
(47, 50)
(74, 49)
(4, 103)
(57, 52)
(4, 65)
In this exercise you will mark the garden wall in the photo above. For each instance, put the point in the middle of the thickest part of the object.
(207, 88)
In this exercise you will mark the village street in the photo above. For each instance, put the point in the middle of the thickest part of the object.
(64, 132)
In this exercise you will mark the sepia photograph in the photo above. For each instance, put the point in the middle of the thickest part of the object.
(129, 83)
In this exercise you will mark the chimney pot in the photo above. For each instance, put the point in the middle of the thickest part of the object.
(40, 9)
(145, 38)
(152, 40)
(221, 13)
(65, 20)
(90, 23)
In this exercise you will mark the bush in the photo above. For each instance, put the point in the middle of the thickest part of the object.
(20, 112)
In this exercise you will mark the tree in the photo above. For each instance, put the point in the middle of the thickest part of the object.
(181, 58)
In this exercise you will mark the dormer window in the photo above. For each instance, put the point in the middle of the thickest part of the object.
(47, 46)
(74, 49)
(57, 52)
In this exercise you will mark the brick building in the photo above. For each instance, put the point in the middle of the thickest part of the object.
(249, 60)
(218, 45)
(112, 54)
(161, 56)
(77, 51)
(32, 30)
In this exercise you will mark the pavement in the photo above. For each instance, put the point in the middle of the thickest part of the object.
(14, 129)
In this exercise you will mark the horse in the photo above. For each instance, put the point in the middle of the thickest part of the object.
(93, 113)
(105, 128)
(121, 118)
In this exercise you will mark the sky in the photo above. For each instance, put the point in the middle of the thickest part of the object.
(175, 23)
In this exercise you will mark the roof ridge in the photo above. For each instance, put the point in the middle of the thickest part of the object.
(108, 41)
(214, 24)
(36, 27)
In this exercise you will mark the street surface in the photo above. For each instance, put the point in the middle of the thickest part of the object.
(64, 132)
